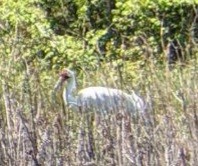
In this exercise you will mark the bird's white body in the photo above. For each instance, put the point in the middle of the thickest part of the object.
(99, 99)
(104, 99)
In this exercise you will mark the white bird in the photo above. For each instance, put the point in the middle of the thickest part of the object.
(100, 99)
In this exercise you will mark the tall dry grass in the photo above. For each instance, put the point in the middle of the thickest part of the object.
(36, 129)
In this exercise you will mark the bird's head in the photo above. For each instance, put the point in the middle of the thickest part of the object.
(64, 75)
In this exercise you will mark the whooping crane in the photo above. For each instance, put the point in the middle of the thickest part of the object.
(101, 99)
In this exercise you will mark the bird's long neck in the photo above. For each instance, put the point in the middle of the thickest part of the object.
(68, 92)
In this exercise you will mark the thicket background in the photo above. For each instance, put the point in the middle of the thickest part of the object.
(116, 43)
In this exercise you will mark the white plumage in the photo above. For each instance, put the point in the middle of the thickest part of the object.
(100, 99)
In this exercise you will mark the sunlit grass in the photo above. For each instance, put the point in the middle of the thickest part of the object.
(53, 133)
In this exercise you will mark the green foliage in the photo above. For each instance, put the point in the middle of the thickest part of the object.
(52, 34)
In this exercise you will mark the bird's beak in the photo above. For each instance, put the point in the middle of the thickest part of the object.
(58, 84)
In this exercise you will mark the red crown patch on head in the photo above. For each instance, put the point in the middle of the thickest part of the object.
(64, 75)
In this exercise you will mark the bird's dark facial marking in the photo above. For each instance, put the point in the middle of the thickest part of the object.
(64, 75)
